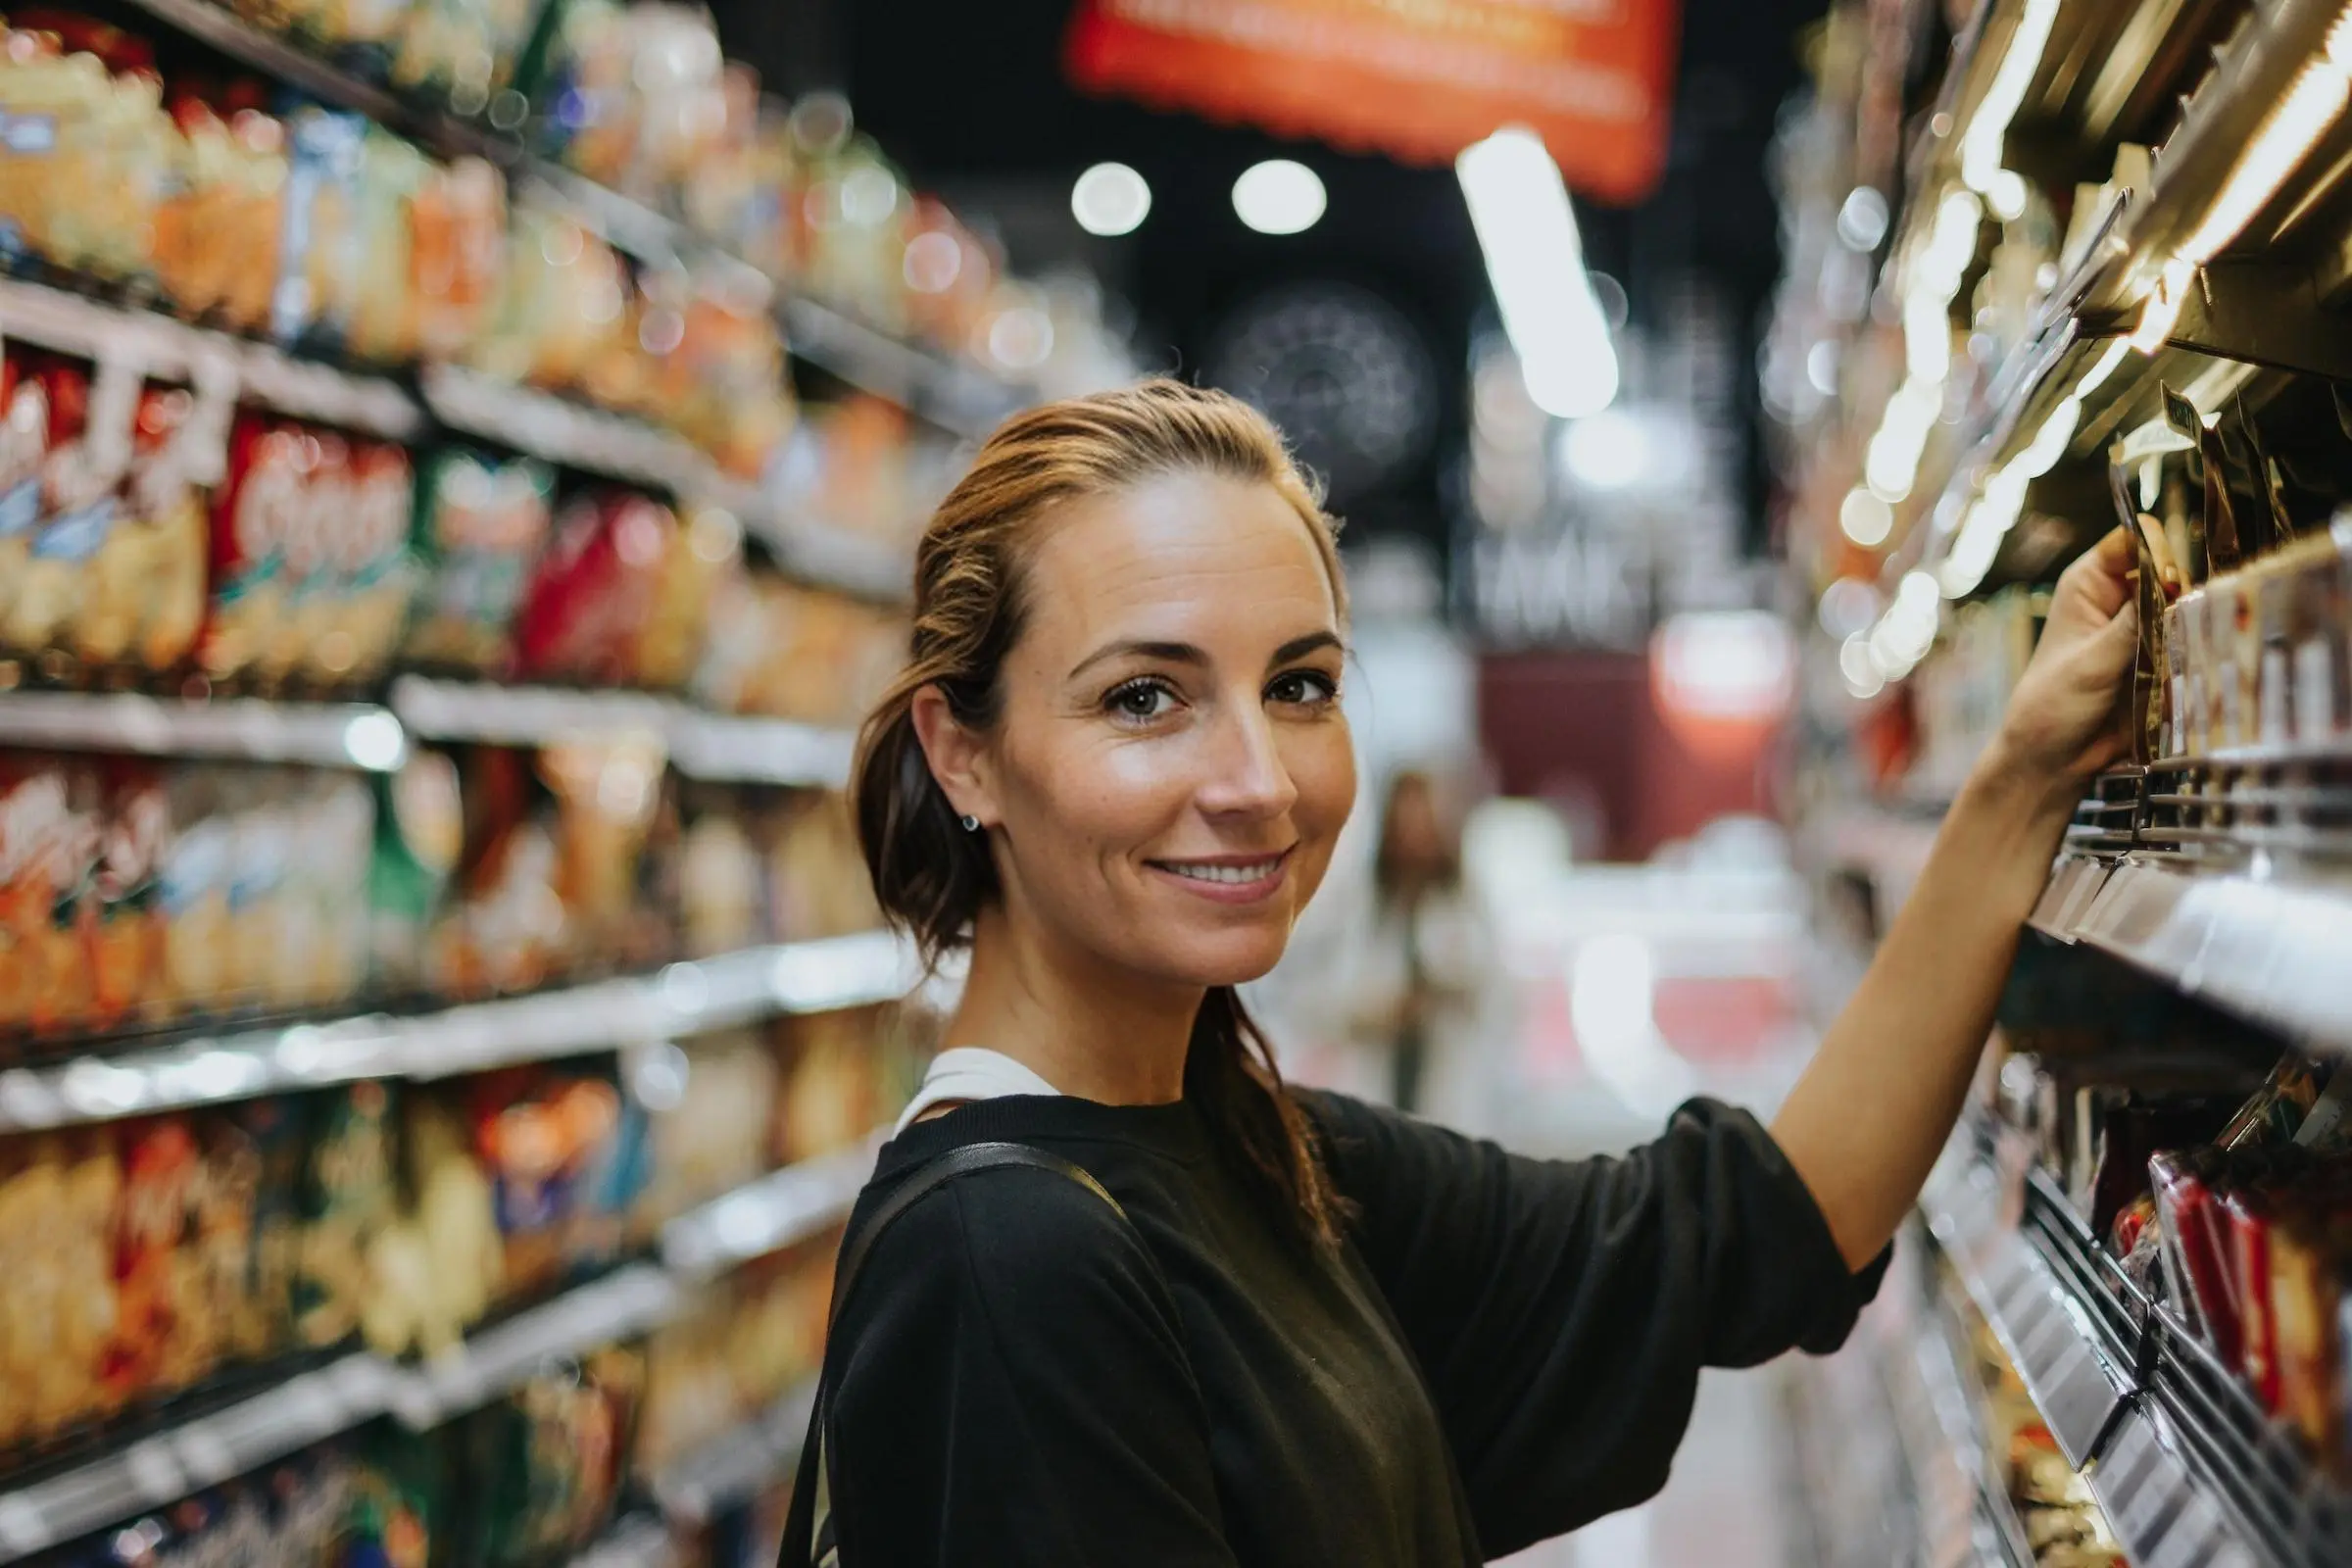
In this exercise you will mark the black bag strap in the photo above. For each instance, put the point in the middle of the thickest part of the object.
(809, 1526)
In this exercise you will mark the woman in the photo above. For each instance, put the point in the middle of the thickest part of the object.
(1420, 989)
(1311, 1332)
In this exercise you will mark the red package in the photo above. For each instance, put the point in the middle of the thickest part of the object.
(595, 590)
(2198, 1263)
(148, 1352)
(2249, 1221)
(256, 513)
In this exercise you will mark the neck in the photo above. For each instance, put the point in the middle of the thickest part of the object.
(1090, 1030)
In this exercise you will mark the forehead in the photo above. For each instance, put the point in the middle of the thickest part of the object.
(1181, 557)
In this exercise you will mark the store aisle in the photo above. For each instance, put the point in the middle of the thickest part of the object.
(1723, 1508)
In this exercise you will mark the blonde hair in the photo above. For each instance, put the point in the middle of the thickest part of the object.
(931, 879)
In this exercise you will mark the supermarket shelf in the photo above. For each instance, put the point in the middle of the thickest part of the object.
(204, 1451)
(768, 1215)
(68, 323)
(557, 430)
(2247, 941)
(2183, 1461)
(1966, 1520)
(716, 747)
(495, 1360)
(738, 1465)
(355, 735)
(287, 61)
(954, 396)
(684, 998)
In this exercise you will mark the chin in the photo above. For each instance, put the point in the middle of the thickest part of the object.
(1226, 959)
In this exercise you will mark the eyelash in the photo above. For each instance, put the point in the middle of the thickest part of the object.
(1326, 690)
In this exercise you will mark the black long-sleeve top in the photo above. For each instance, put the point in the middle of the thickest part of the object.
(1504, 1348)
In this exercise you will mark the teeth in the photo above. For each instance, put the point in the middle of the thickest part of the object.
(1225, 873)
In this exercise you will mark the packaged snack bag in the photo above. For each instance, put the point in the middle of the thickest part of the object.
(504, 926)
(126, 946)
(219, 235)
(595, 589)
(157, 1345)
(268, 948)
(145, 595)
(384, 322)
(2305, 1298)
(670, 644)
(259, 515)
(436, 1270)
(374, 580)
(721, 878)
(23, 444)
(87, 448)
(607, 795)
(319, 261)
(458, 254)
(331, 819)
(58, 1200)
(275, 1130)
(481, 524)
(347, 1196)
(195, 886)
(49, 857)
(88, 149)
(536, 1136)
(420, 837)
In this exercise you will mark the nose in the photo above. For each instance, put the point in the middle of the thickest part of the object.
(1246, 776)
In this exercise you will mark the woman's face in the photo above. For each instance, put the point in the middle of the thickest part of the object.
(1170, 768)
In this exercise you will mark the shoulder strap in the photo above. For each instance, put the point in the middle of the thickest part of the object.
(809, 1526)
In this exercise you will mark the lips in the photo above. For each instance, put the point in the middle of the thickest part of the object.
(1228, 878)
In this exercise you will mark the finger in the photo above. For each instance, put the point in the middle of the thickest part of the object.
(2101, 574)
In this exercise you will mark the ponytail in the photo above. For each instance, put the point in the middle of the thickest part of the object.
(931, 879)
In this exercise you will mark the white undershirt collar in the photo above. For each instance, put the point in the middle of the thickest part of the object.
(970, 1073)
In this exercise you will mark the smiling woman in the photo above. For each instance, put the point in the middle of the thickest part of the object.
(1117, 1294)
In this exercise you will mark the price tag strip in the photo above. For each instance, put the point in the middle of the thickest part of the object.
(342, 735)
(687, 999)
(2156, 1507)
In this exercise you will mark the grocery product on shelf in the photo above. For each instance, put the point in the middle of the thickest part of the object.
(739, 1344)
(2061, 1522)
(481, 522)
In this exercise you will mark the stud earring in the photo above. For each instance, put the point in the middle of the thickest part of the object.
(971, 824)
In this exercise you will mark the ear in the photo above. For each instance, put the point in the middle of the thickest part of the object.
(957, 755)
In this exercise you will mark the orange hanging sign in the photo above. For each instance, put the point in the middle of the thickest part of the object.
(1418, 80)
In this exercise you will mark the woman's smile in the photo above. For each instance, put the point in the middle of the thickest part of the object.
(1227, 878)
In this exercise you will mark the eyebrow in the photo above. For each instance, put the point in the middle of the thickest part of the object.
(1190, 654)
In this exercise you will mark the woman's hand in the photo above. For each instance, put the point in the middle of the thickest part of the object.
(2064, 723)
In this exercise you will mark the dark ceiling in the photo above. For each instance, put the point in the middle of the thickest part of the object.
(971, 101)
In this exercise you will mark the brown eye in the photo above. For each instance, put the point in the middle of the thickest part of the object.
(1303, 688)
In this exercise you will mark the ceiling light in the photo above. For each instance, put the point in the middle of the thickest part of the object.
(1111, 199)
(1862, 219)
(1535, 262)
(1278, 197)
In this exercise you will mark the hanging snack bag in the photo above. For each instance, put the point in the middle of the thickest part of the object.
(420, 835)
(481, 524)
(458, 256)
(608, 794)
(155, 1345)
(503, 927)
(58, 1202)
(49, 857)
(218, 233)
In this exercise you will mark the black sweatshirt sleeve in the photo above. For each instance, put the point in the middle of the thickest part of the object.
(1016, 1393)
(1562, 1311)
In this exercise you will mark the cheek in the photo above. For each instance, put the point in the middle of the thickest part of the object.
(1322, 767)
(1078, 802)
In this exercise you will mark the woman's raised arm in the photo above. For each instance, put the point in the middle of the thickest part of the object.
(1864, 1125)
